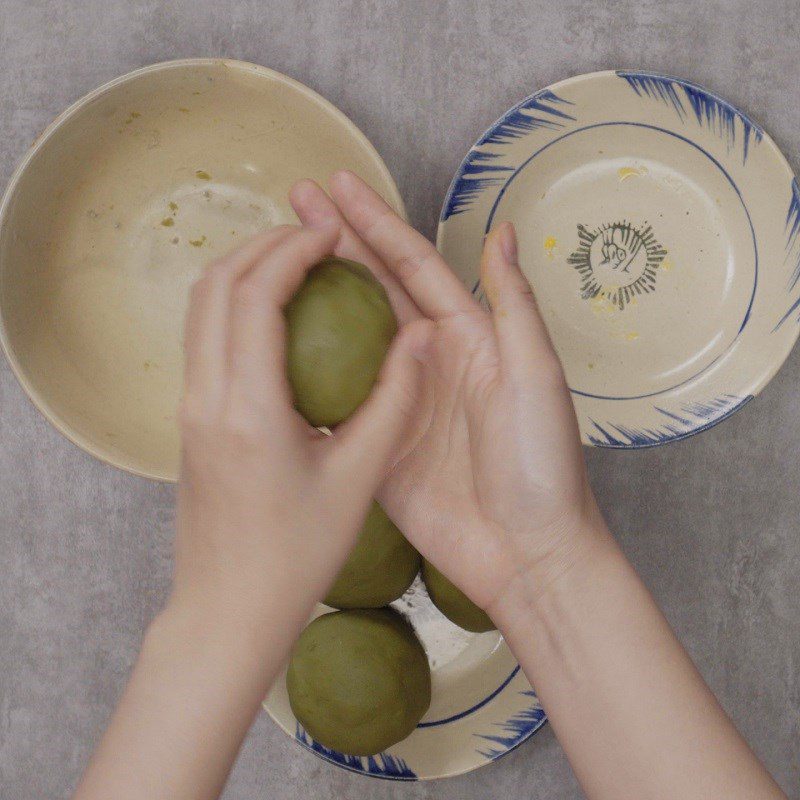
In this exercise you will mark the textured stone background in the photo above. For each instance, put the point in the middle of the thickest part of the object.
(711, 523)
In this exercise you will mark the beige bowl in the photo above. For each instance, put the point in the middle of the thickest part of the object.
(113, 213)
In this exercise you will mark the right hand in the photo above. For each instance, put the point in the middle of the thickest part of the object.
(494, 486)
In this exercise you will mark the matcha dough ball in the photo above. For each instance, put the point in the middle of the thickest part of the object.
(380, 568)
(359, 680)
(339, 327)
(453, 603)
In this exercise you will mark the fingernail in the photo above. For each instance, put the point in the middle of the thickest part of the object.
(508, 242)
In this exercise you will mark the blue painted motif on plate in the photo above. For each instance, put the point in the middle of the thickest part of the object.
(538, 111)
(690, 419)
(515, 730)
(382, 765)
(709, 110)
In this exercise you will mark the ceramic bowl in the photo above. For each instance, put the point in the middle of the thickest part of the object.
(659, 228)
(112, 215)
(482, 705)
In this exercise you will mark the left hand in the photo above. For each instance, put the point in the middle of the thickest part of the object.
(268, 506)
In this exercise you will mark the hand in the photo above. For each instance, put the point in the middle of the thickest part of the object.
(269, 506)
(495, 485)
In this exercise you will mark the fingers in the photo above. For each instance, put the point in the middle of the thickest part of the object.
(207, 319)
(369, 442)
(257, 343)
(432, 285)
(313, 206)
(523, 341)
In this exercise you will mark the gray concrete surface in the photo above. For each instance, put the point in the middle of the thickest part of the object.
(712, 523)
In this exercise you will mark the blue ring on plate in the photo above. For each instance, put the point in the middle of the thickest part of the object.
(387, 767)
(474, 708)
(741, 200)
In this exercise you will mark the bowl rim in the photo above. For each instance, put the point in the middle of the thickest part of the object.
(71, 111)
(755, 387)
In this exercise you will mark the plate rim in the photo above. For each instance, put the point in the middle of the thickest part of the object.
(540, 722)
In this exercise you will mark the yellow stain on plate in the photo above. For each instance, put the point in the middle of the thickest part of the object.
(628, 172)
(600, 304)
(667, 264)
(550, 245)
(631, 336)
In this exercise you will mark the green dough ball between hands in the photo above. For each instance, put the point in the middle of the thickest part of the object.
(359, 680)
(453, 603)
(380, 568)
(339, 328)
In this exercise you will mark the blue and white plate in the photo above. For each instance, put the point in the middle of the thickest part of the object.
(659, 227)
(482, 706)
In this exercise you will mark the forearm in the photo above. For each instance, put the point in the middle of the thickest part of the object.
(631, 711)
(193, 694)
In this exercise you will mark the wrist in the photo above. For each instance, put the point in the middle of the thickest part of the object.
(243, 627)
(582, 547)
(244, 595)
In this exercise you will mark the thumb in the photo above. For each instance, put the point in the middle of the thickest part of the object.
(522, 337)
(370, 441)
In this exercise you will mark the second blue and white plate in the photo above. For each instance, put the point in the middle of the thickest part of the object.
(660, 230)
(482, 705)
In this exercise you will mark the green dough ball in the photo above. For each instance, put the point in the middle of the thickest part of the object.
(339, 327)
(453, 603)
(380, 568)
(359, 680)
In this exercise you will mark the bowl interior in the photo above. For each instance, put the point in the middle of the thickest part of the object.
(113, 215)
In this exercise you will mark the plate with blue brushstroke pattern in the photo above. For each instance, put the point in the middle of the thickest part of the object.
(659, 227)
(482, 706)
